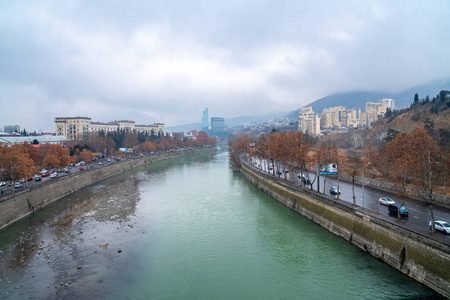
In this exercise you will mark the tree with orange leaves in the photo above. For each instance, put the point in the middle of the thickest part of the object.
(85, 155)
(148, 146)
(429, 162)
(17, 162)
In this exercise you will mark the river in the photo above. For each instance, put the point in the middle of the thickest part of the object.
(187, 228)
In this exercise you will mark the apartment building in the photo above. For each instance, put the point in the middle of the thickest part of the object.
(333, 117)
(82, 127)
(308, 121)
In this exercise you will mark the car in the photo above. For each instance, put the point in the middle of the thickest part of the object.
(109, 159)
(53, 175)
(441, 226)
(393, 209)
(334, 190)
(18, 185)
(81, 169)
(2, 183)
(304, 178)
(386, 201)
(100, 163)
(37, 177)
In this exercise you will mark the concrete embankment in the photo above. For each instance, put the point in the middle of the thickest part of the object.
(15, 207)
(424, 259)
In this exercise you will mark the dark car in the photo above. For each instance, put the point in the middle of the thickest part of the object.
(334, 190)
(304, 178)
(393, 209)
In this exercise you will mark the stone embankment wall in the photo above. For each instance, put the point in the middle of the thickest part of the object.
(15, 207)
(420, 257)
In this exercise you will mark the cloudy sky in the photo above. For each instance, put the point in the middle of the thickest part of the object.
(165, 61)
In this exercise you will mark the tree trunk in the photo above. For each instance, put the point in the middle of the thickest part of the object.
(337, 179)
(433, 230)
(353, 188)
(399, 216)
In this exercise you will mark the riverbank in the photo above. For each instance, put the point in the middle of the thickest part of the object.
(415, 255)
(21, 204)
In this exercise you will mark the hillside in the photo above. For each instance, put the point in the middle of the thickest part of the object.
(406, 120)
(358, 99)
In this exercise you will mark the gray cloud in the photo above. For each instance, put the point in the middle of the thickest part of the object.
(164, 61)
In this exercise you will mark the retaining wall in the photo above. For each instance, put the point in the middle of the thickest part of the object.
(417, 256)
(23, 203)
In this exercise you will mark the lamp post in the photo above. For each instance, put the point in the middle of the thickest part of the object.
(364, 180)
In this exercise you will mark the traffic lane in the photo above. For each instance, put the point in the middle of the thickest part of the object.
(419, 215)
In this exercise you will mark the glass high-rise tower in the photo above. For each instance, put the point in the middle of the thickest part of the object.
(205, 122)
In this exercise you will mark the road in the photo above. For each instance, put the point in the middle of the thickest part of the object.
(419, 214)
(7, 190)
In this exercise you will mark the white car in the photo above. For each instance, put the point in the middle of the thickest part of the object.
(2, 183)
(53, 175)
(386, 201)
(441, 226)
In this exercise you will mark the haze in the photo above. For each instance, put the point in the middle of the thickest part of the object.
(165, 61)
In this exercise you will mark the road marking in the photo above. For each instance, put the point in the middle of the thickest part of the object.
(415, 217)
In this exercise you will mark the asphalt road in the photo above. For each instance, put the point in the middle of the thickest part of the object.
(419, 214)
(7, 190)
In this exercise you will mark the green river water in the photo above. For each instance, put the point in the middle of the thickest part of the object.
(188, 228)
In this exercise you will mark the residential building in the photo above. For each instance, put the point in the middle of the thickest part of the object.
(353, 117)
(308, 121)
(73, 127)
(12, 128)
(333, 117)
(81, 127)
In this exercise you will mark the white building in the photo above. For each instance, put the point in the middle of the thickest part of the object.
(308, 121)
(81, 127)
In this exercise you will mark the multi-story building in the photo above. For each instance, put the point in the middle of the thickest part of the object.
(385, 104)
(81, 127)
(308, 121)
(205, 122)
(12, 128)
(217, 125)
(73, 127)
(333, 117)
(353, 117)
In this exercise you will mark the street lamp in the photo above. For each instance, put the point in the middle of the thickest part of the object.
(364, 180)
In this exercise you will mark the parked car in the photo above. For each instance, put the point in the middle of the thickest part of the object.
(81, 168)
(385, 201)
(334, 190)
(2, 183)
(393, 209)
(18, 185)
(53, 175)
(100, 163)
(441, 226)
(109, 159)
(37, 177)
(304, 178)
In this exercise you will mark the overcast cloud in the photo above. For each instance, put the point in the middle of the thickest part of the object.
(165, 61)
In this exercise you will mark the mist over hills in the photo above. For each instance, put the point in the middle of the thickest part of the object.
(350, 100)
(359, 99)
